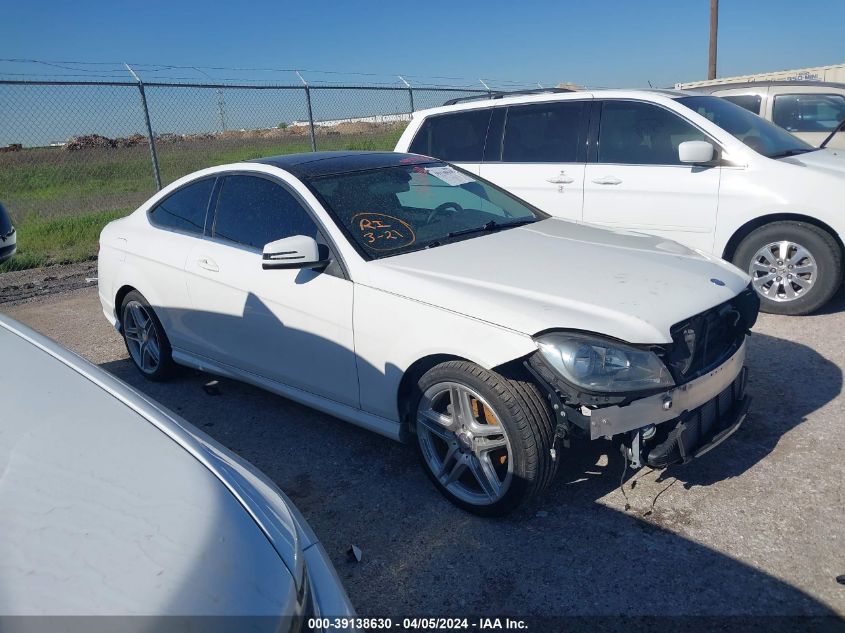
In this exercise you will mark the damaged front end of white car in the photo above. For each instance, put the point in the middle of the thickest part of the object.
(663, 404)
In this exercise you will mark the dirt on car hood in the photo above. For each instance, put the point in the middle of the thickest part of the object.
(558, 274)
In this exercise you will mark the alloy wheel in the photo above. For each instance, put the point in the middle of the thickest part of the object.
(141, 336)
(464, 443)
(783, 271)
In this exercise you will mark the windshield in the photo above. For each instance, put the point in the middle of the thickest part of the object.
(398, 209)
(763, 137)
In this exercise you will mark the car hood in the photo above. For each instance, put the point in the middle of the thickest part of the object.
(118, 506)
(556, 274)
(831, 161)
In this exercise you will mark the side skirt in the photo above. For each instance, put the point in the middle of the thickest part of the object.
(382, 426)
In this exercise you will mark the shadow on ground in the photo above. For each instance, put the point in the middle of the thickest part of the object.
(566, 554)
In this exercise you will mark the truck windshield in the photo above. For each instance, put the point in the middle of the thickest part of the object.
(404, 208)
(763, 137)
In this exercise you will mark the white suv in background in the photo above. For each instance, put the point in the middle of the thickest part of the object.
(690, 167)
(811, 110)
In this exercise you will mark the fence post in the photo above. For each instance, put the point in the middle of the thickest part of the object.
(487, 88)
(310, 112)
(410, 92)
(150, 137)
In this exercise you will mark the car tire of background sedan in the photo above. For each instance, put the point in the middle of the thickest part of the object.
(145, 339)
(794, 266)
(492, 450)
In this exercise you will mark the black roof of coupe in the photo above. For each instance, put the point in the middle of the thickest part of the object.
(325, 163)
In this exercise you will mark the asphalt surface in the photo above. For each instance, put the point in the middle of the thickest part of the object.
(754, 528)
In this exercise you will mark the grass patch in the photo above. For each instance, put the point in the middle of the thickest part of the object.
(60, 200)
(44, 241)
(51, 182)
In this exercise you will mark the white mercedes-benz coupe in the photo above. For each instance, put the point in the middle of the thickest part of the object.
(414, 299)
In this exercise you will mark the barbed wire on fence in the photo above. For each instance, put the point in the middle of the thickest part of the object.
(116, 70)
(104, 146)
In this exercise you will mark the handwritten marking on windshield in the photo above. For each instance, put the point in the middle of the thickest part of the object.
(382, 232)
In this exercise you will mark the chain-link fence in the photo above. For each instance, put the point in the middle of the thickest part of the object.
(71, 148)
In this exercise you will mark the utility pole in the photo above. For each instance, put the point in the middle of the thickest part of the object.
(714, 30)
(221, 101)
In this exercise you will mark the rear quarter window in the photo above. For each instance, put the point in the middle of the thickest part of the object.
(185, 209)
(457, 137)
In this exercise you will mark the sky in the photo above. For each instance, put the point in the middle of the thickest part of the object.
(608, 43)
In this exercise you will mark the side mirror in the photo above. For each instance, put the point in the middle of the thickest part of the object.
(296, 251)
(696, 152)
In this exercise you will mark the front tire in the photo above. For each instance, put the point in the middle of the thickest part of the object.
(484, 440)
(795, 267)
(145, 339)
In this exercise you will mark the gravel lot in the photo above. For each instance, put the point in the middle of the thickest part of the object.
(754, 528)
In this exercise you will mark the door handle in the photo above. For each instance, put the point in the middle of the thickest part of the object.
(607, 180)
(563, 179)
(208, 264)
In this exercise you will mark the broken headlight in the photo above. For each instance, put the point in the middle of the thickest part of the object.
(598, 365)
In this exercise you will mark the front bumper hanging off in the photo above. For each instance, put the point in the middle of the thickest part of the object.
(665, 428)
(670, 405)
(695, 432)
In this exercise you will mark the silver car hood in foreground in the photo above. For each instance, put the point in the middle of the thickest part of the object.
(556, 274)
(113, 505)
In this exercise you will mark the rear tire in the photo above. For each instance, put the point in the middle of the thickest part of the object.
(496, 452)
(145, 339)
(795, 267)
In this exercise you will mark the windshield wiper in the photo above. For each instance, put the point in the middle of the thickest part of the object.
(836, 130)
(492, 225)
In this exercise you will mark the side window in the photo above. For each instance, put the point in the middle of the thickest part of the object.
(635, 133)
(455, 137)
(254, 211)
(185, 209)
(809, 112)
(543, 133)
(749, 102)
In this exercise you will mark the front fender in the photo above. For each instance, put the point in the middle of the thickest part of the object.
(393, 332)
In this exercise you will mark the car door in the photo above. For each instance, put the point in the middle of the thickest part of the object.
(541, 155)
(292, 326)
(457, 137)
(636, 181)
(176, 226)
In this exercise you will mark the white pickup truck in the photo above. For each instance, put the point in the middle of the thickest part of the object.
(814, 111)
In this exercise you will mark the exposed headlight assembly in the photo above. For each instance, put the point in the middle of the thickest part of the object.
(598, 365)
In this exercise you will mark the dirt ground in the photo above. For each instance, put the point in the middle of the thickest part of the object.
(755, 528)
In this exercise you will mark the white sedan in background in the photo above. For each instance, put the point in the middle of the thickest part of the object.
(113, 506)
(413, 299)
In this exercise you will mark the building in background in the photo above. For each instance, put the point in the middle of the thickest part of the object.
(834, 73)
